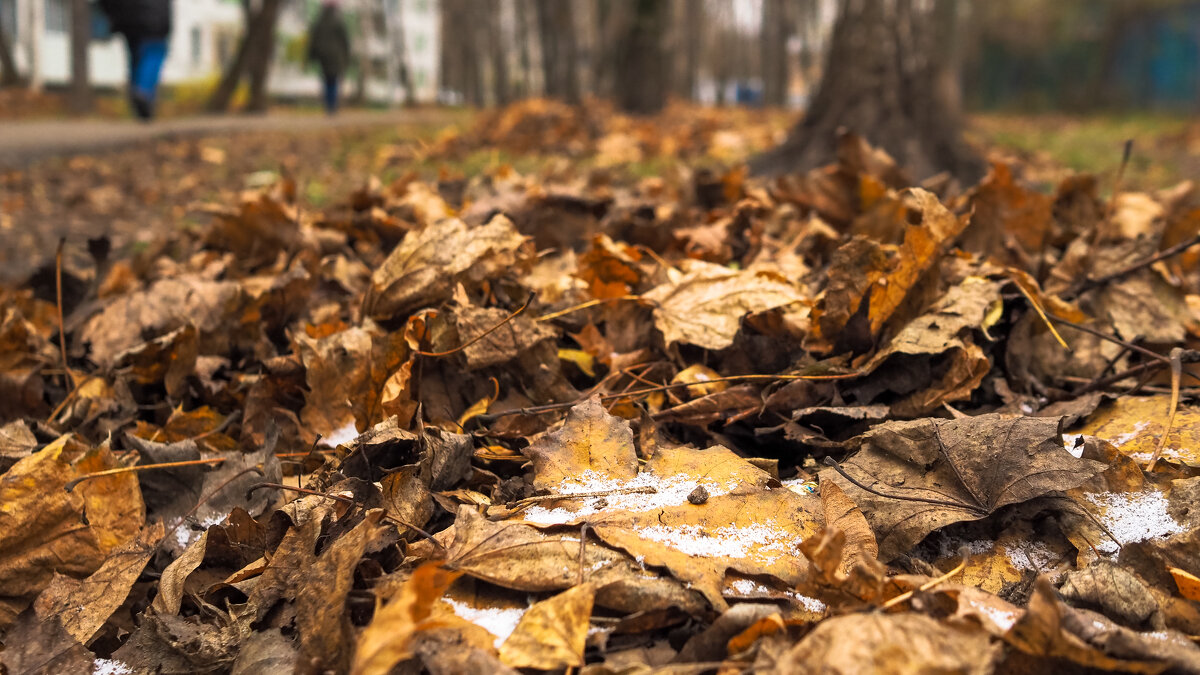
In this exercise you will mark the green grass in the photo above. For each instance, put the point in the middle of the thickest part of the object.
(1095, 144)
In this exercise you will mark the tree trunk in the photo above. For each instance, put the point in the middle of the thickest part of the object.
(498, 57)
(693, 34)
(560, 60)
(524, 58)
(259, 63)
(882, 81)
(8, 65)
(642, 70)
(80, 98)
(400, 57)
(253, 58)
(774, 52)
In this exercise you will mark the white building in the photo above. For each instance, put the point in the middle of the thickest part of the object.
(205, 37)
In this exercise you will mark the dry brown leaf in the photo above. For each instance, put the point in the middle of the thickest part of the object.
(906, 643)
(429, 263)
(1134, 424)
(964, 469)
(592, 444)
(43, 530)
(551, 633)
(705, 305)
(82, 606)
(385, 641)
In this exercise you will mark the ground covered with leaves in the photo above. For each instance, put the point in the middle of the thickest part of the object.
(595, 420)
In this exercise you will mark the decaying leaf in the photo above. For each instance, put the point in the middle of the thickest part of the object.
(927, 473)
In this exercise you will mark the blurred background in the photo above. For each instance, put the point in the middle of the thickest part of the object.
(1017, 55)
(460, 88)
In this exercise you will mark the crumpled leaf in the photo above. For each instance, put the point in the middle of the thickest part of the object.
(169, 304)
(43, 530)
(82, 606)
(969, 468)
(705, 306)
(429, 263)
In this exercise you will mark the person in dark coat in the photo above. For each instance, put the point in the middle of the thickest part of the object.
(146, 25)
(329, 46)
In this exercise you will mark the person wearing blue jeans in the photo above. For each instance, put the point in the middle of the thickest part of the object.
(329, 46)
(146, 25)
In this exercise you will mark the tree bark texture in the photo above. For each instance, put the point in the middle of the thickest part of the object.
(693, 35)
(8, 65)
(80, 97)
(774, 52)
(882, 81)
(642, 65)
(560, 60)
(253, 59)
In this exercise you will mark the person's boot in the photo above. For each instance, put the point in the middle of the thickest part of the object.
(143, 107)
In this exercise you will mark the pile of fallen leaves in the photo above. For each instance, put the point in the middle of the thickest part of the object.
(698, 423)
(595, 129)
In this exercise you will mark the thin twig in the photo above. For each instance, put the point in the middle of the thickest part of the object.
(1089, 283)
(829, 461)
(292, 488)
(140, 467)
(191, 512)
(484, 334)
(1102, 383)
(582, 550)
(551, 407)
(926, 586)
(1176, 371)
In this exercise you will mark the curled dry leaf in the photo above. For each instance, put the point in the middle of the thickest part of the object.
(427, 265)
(705, 306)
(385, 641)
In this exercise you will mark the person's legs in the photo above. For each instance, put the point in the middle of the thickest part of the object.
(146, 71)
(131, 44)
(330, 92)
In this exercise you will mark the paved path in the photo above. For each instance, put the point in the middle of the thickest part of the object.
(22, 142)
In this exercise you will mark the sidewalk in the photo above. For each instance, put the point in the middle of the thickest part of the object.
(24, 141)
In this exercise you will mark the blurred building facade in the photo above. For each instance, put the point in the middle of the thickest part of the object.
(205, 38)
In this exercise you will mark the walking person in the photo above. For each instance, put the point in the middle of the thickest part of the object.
(329, 46)
(146, 25)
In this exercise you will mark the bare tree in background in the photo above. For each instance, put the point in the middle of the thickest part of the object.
(253, 57)
(689, 48)
(8, 65)
(397, 61)
(776, 27)
(497, 52)
(642, 65)
(524, 86)
(560, 59)
(460, 57)
(80, 97)
(883, 80)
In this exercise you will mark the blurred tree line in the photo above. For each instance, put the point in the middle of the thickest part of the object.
(1027, 54)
